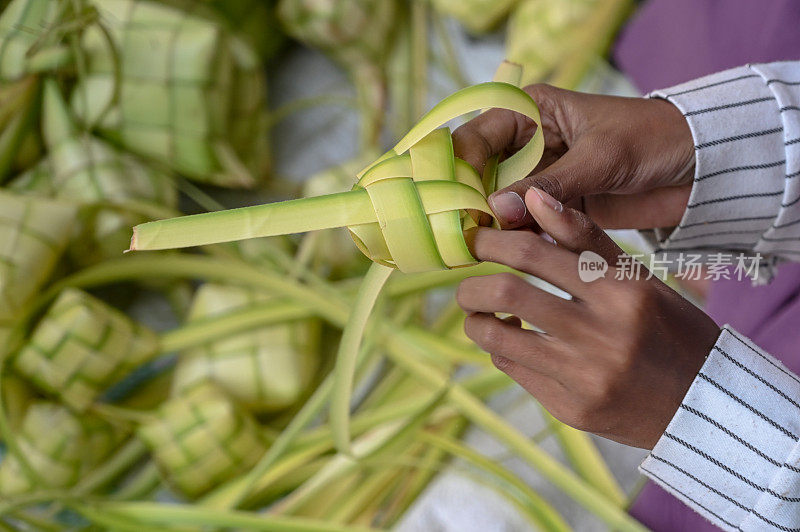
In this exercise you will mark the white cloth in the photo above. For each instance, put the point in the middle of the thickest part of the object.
(732, 451)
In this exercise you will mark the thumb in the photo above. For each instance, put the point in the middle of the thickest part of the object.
(485, 135)
(572, 175)
(570, 228)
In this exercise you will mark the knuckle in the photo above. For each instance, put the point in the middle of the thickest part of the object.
(549, 184)
(487, 334)
(490, 337)
(528, 249)
(502, 363)
(463, 293)
(506, 288)
(581, 419)
(471, 327)
(541, 91)
(587, 228)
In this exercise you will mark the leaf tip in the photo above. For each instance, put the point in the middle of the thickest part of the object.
(133, 242)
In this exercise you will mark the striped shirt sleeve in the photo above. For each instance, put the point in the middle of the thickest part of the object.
(746, 192)
(732, 450)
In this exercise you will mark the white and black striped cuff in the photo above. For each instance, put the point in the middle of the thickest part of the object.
(740, 167)
(731, 452)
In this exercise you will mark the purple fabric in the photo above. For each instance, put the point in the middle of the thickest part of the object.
(672, 41)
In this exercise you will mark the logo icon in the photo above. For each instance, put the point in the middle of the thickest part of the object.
(591, 266)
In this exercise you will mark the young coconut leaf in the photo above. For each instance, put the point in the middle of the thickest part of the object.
(81, 347)
(33, 234)
(333, 250)
(81, 167)
(201, 439)
(174, 86)
(59, 445)
(398, 216)
(265, 370)
(586, 459)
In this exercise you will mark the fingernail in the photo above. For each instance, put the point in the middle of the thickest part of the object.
(508, 206)
(548, 200)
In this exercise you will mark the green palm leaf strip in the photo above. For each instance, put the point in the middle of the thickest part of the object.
(345, 369)
(538, 510)
(586, 459)
(156, 516)
(390, 208)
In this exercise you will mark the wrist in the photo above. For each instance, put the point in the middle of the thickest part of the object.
(675, 146)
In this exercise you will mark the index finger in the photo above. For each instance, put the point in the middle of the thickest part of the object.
(528, 252)
(485, 135)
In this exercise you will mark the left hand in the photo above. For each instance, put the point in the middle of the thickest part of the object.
(615, 360)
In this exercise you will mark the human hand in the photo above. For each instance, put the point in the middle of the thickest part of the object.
(616, 360)
(626, 162)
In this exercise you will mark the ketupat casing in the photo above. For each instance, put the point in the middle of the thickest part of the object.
(201, 438)
(173, 83)
(265, 370)
(81, 347)
(189, 94)
(59, 445)
(34, 233)
(351, 30)
(94, 174)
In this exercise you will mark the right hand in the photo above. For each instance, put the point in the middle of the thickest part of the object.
(626, 162)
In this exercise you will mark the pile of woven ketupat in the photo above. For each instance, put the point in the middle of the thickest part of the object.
(192, 389)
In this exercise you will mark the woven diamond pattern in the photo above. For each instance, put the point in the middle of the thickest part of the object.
(201, 439)
(81, 347)
(265, 369)
(33, 234)
(188, 93)
(59, 446)
(90, 171)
